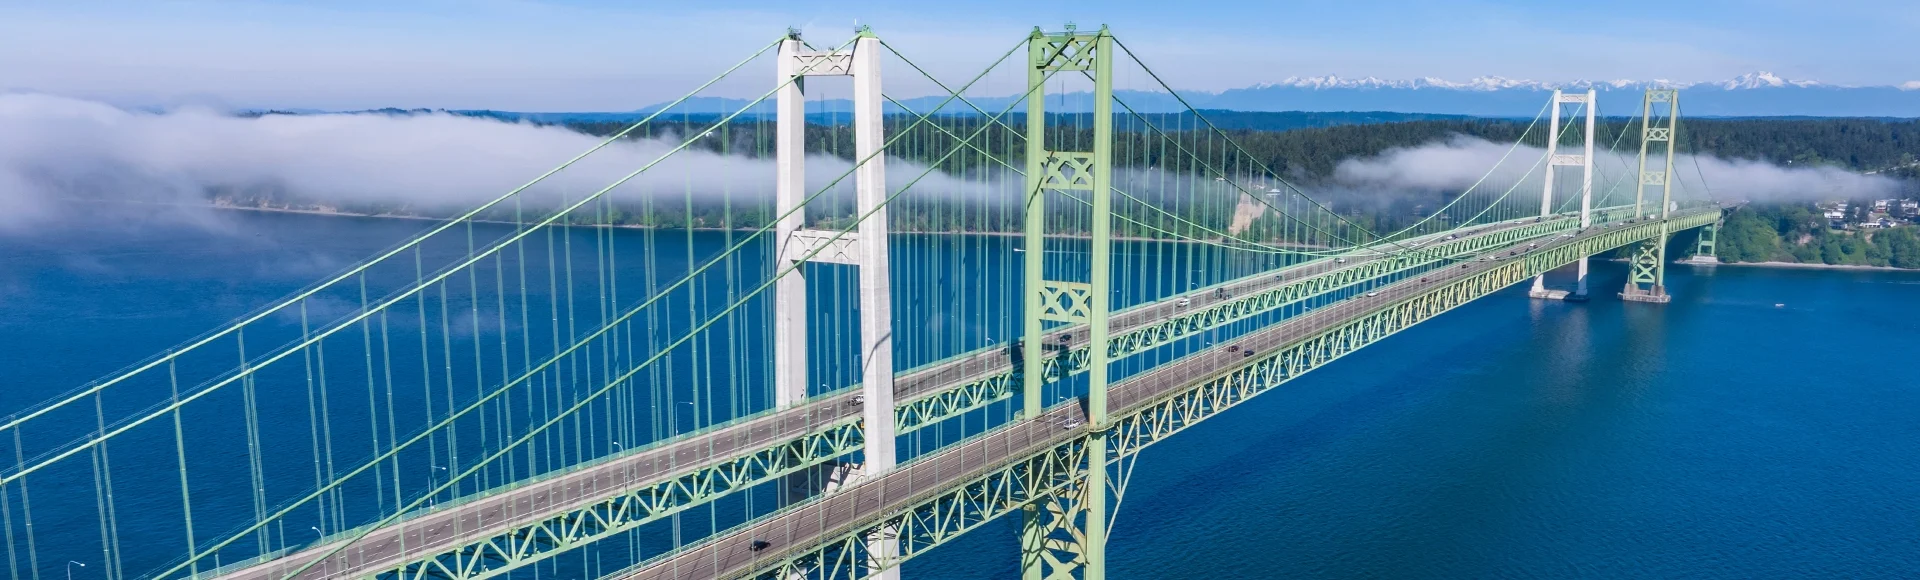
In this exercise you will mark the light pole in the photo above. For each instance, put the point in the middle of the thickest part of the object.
(70, 564)
(433, 485)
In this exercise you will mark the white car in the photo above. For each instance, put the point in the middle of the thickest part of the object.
(1183, 302)
(1372, 293)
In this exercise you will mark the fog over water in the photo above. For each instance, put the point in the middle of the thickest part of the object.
(1459, 162)
(62, 148)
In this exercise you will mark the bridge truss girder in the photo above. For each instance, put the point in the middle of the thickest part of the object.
(522, 545)
(920, 412)
(512, 548)
(1016, 484)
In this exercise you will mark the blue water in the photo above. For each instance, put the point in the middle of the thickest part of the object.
(1714, 437)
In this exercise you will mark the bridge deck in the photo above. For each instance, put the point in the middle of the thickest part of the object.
(435, 532)
(776, 537)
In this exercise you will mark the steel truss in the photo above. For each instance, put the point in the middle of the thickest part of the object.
(514, 547)
(931, 408)
(1018, 483)
(1709, 237)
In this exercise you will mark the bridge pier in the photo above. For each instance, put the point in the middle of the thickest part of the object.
(1649, 268)
(1584, 161)
(1704, 253)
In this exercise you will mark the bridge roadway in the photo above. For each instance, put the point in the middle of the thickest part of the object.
(776, 537)
(434, 532)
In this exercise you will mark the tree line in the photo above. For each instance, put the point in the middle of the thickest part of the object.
(1799, 233)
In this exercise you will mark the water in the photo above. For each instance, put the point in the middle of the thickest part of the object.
(1714, 437)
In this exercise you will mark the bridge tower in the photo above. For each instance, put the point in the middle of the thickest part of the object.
(1585, 162)
(1064, 536)
(865, 249)
(1647, 281)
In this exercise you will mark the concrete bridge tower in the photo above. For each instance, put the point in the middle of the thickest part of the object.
(865, 249)
(1584, 161)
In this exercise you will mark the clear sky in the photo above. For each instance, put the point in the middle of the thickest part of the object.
(604, 56)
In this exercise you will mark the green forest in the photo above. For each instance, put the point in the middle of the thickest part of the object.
(1799, 233)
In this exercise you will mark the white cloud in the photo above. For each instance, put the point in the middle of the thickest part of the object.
(1910, 86)
(1459, 162)
(60, 148)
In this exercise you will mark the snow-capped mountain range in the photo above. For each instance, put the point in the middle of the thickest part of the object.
(1756, 80)
(1755, 94)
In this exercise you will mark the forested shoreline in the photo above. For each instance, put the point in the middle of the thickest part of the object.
(1800, 234)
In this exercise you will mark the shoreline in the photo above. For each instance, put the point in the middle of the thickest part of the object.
(1803, 266)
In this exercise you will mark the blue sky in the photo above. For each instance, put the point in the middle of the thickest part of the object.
(603, 56)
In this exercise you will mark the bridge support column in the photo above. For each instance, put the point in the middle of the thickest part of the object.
(876, 288)
(1055, 530)
(1064, 536)
(867, 249)
(790, 182)
(1648, 280)
(1585, 162)
(1704, 253)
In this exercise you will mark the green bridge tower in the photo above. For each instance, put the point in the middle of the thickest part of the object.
(1648, 280)
(1064, 536)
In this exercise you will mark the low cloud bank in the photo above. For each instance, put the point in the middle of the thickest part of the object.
(1457, 163)
(66, 149)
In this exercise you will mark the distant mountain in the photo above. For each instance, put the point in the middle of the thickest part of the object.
(1332, 100)
(1230, 120)
(1759, 94)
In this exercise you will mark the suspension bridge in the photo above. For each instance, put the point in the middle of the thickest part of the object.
(807, 337)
